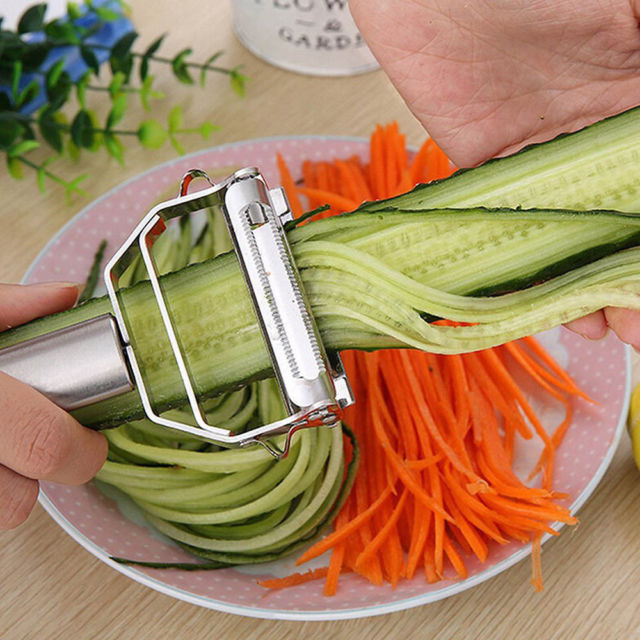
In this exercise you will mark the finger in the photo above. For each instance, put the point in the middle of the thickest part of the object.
(20, 303)
(625, 323)
(41, 441)
(592, 326)
(18, 496)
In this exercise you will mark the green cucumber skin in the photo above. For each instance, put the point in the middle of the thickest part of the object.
(217, 320)
(558, 268)
(594, 168)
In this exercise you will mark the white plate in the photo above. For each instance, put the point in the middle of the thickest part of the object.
(601, 368)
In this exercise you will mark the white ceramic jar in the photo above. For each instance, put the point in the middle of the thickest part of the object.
(317, 37)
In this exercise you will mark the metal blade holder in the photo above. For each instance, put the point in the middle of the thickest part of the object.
(313, 385)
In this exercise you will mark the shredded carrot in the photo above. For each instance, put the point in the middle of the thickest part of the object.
(289, 186)
(536, 562)
(294, 579)
(332, 199)
(341, 534)
(436, 483)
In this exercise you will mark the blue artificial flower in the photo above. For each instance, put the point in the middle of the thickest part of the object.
(75, 66)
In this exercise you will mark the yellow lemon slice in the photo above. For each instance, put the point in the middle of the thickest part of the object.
(633, 423)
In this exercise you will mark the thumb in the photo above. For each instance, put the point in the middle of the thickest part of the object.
(21, 303)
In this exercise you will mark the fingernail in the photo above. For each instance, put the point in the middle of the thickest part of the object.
(76, 286)
(57, 284)
(595, 337)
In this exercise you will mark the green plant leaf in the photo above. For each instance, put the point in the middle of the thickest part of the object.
(116, 83)
(122, 47)
(239, 82)
(152, 134)
(61, 119)
(114, 147)
(5, 103)
(144, 68)
(118, 109)
(62, 32)
(73, 184)
(90, 59)
(11, 45)
(10, 131)
(155, 45)
(147, 91)
(210, 60)
(29, 133)
(81, 89)
(96, 131)
(151, 49)
(41, 173)
(106, 14)
(72, 187)
(122, 65)
(72, 151)
(182, 74)
(73, 11)
(53, 74)
(29, 93)
(144, 93)
(179, 58)
(179, 66)
(50, 130)
(59, 92)
(174, 121)
(20, 148)
(32, 19)
(15, 80)
(120, 58)
(207, 128)
(41, 177)
(175, 143)
(82, 130)
(34, 55)
(14, 166)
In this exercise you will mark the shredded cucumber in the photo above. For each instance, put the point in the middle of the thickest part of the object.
(228, 506)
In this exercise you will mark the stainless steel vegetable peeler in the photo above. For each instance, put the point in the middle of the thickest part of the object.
(313, 385)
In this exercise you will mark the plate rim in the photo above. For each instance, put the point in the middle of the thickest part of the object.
(288, 614)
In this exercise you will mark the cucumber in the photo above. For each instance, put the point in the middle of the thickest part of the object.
(596, 167)
(246, 507)
(377, 276)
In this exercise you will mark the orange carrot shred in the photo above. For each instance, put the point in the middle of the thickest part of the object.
(340, 534)
(330, 198)
(536, 564)
(294, 579)
(290, 187)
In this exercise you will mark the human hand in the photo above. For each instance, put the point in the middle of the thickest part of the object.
(488, 77)
(39, 441)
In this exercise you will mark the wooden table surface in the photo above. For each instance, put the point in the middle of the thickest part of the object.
(52, 588)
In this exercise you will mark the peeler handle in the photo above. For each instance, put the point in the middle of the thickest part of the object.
(75, 366)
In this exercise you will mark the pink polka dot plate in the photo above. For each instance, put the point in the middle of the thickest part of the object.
(109, 527)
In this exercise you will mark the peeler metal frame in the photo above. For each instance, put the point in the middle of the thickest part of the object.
(313, 385)
(94, 360)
